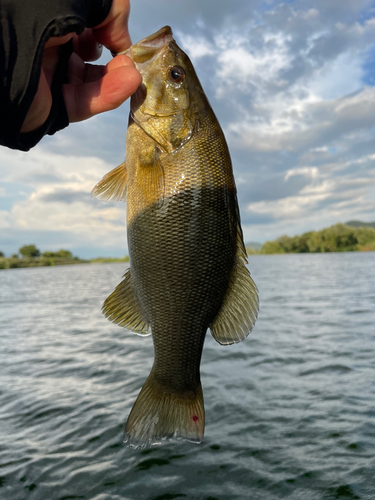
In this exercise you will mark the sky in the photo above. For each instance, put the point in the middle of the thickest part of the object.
(293, 86)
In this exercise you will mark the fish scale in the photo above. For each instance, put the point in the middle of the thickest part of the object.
(187, 258)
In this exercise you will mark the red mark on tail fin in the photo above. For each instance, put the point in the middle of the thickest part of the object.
(195, 418)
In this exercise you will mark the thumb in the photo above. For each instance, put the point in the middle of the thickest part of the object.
(113, 32)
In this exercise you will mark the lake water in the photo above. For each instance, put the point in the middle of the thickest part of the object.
(290, 412)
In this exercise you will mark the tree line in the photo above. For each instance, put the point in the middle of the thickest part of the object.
(336, 238)
(31, 256)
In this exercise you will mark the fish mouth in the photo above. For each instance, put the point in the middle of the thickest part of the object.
(152, 114)
(147, 48)
(158, 39)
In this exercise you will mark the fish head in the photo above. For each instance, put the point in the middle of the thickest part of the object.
(167, 103)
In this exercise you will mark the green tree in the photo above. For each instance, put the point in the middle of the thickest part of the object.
(314, 241)
(271, 247)
(62, 254)
(1, 254)
(48, 254)
(365, 235)
(285, 243)
(29, 251)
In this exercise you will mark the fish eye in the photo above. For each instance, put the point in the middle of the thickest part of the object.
(177, 74)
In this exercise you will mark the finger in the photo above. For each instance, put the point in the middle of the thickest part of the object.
(40, 107)
(80, 72)
(113, 32)
(118, 61)
(89, 99)
(86, 46)
(94, 72)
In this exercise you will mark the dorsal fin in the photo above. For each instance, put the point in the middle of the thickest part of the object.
(122, 307)
(240, 307)
(113, 185)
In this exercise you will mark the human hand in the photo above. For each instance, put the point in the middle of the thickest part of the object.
(92, 89)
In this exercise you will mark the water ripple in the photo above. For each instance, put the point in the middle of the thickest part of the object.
(290, 411)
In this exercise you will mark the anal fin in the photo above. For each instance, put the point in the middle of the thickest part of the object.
(122, 307)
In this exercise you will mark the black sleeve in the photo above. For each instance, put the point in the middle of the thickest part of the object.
(25, 26)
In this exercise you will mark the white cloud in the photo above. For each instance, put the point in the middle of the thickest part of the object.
(196, 47)
(287, 83)
(250, 71)
(286, 94)
(63, 204)
(290, 207)
(4, 219)
(306, 171)
(296, 123)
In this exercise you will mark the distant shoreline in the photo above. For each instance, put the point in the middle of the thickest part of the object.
(354, 236)
(23, 263)
(350, 237)
(251, 253)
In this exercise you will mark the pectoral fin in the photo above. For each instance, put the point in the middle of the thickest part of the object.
(122, 307)
(113, 185)
(148, 178)
(240, 307)
(151, 178)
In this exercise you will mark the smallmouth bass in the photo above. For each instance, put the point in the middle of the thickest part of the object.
(187, 257)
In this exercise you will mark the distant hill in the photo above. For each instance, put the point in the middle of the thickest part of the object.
(358, 223)
(254, 245)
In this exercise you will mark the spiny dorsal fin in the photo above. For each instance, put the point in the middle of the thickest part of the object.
(122, 307)
(113, 185)
(240, 307)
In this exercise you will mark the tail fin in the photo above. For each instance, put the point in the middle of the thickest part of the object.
(160, 414)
